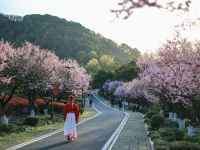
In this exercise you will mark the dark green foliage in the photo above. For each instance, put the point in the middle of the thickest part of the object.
(157, 121)
(160, 144)
(100, 77)
(81, 110)
(161, 148)
(12, 128)
(166, 114)
(151, 113)
(57, 108)
(6, 128)
(47, 120)
(171, 134)
(40, 109)
(31, 121)
(182, 145)
(195, 138)
(154, 135)
(170, 124)
(167, 134)
(179, 135)
(126, 72)
(66, 38)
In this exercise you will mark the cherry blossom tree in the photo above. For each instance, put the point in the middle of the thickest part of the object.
(31, 70)
(7, 87)
(74, 77)
(120, 91)
(112, 86)
(174, 76)
(39, 69)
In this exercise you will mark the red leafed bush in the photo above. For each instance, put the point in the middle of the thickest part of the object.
(40, 101)
(18, 101)
(57, 103)
(24, 101)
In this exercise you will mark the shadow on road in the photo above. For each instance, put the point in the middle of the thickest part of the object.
(54, 145)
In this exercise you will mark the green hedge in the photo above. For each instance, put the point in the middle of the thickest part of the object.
(183, 145)
(157, 121)
(154, 135)
(12, 128)
(151, 113)
(171, 134)
(31, 121)
(161, 148)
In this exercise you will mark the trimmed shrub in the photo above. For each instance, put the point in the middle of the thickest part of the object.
(31, 121)
(157, 121)
(167, 134)
(183, 145)
(170, 124)
(6, 128)
(12, 128)
(160, 142)
(154, 135)
(179, 135)
(171, 134)
(166, 114)
(161, 148)
(151, 113)
(57, 107)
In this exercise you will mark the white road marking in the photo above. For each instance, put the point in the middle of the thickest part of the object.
(50, 134)
(111, 141)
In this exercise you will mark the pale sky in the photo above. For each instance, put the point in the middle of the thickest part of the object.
(146, 29)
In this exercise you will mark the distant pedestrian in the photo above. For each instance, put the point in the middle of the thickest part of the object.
(126, 105)
(120, 104)
(91, 102)
(123, 105)
(71, 116)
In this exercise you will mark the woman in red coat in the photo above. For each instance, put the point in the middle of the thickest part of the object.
(71, 116)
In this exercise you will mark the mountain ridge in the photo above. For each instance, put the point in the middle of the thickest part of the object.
(66, 38)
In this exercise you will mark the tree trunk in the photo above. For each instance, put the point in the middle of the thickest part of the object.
(170, 115)
(190, 130)
(181, 124)
(161, 112)
(45, 111)
(4, 120)
(32, 113)
(174, 117)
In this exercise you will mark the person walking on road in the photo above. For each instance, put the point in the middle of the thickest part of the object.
(71, 116)
(120, 104)
(91, 100)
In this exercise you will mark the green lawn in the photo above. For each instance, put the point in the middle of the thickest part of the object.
(13, 138)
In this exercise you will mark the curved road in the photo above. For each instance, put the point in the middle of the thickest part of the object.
(92, 134)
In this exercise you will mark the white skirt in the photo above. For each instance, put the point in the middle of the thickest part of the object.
(70, 126)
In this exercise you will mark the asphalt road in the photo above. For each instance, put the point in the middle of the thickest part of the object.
(92, 134)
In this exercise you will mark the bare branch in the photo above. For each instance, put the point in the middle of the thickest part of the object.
(127, 6)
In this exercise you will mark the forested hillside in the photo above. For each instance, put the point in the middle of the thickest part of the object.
(66, 38)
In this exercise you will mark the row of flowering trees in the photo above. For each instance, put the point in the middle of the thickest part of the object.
(29, 70)
(171, 77)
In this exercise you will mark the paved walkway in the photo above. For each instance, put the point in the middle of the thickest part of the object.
(133, 135)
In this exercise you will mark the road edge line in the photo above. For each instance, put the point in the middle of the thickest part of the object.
(111, 141)
(51, 133)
